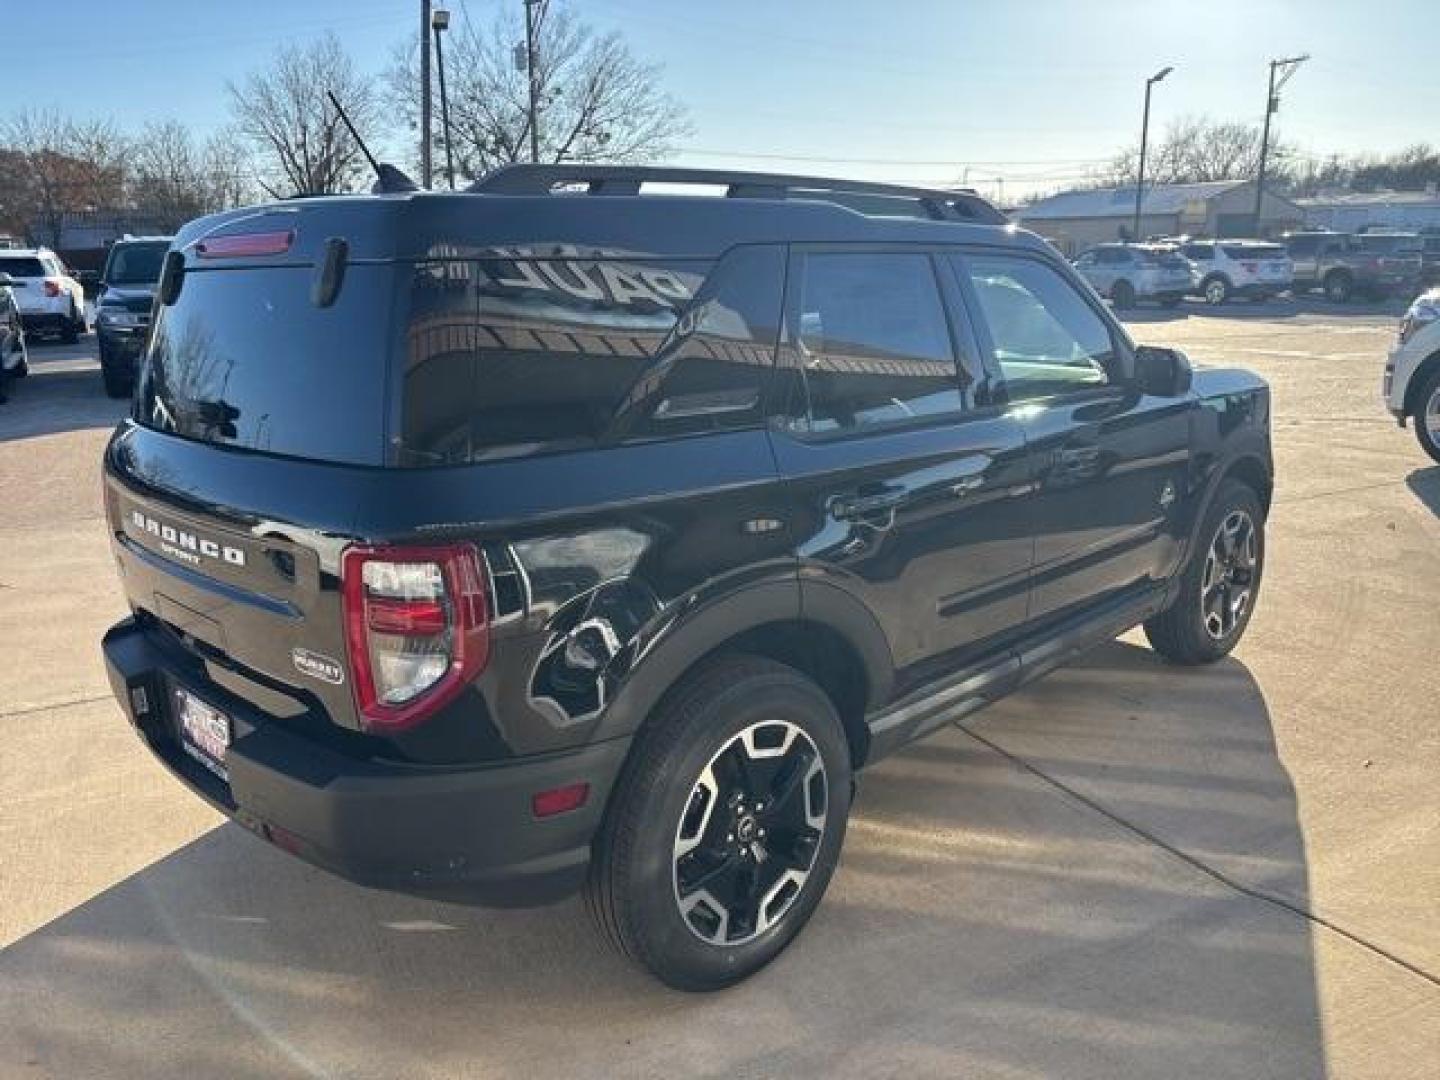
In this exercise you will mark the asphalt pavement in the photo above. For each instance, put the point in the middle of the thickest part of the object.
(1127, 870)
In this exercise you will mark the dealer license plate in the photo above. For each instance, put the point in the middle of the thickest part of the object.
(204, 732)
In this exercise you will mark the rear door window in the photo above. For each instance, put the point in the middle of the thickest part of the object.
(873, 341)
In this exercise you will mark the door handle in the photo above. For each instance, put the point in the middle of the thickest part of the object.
(967, 486)
(856, 507)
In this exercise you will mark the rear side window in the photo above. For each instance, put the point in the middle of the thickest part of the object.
(1199, 251)
(873, 341)
(1047, 339)
(506, 357)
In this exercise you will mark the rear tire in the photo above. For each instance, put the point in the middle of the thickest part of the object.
(1427, 416)
(1122, 294)
(74, 326)
(1216, 290)
(1339, 286)
(737, 734)
(1220, 583)
(117, 383)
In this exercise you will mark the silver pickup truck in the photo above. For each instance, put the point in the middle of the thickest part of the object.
(1343, 266)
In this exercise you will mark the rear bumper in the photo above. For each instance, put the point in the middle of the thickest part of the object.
(44, 322)
(120, 346)
(457, 833)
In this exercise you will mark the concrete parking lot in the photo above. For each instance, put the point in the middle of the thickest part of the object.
(1128, 870)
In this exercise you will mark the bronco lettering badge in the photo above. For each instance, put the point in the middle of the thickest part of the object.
(317, 666)
(184, 545)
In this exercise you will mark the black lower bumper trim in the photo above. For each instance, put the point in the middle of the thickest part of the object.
(466, 834)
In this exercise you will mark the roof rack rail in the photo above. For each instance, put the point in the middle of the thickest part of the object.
(958, 205)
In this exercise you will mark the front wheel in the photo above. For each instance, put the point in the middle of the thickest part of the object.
(1123, 295)
(1220, 582)
(1427, 417)
(726, 826)
(118, 384)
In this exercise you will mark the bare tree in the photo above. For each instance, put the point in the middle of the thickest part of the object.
(597, 101)
(284, 113)
(61, 166)
(1195, 150)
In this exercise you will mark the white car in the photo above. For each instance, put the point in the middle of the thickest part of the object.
(1412, 371)
(50, 300)
(1251, 268)
(1126, 273)
(14, 362)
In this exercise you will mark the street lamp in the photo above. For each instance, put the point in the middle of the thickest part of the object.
(439, 22)
(1144, 138)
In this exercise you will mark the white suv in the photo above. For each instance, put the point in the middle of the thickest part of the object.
(1412, 371)
(1252, 268)
(50, 300)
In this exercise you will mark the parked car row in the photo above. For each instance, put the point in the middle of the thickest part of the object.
(1341, 265)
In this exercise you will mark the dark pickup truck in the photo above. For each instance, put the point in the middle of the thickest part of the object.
(557, 535)
(1345, 265)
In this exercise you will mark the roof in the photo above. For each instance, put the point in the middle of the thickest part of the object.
(31, 253)
(1372, 198)
(1119, 202)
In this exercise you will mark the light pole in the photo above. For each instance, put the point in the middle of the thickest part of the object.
(531, 52)
(1144, 138)
(1285, 68)
(425, 93)
(440, 21)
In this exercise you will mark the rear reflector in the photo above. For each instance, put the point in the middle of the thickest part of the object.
(245, 245)
(559, 800)
(52, 287)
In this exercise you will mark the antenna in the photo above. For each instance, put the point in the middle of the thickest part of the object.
(388, 178)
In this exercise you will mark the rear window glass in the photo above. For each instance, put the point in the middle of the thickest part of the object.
(1253, 251)
(1390, 244)
(22, 267)
(135, 264)
(507, 357)
(245, 359)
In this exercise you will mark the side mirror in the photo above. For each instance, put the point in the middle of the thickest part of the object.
(1162, 372)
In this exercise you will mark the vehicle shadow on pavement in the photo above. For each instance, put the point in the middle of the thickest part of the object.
(1269, 310)
(984, 921)
(1425, 483)
(61, 393)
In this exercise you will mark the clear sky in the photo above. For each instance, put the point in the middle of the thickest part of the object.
(935, 91)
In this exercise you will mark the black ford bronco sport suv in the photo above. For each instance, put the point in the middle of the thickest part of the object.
(568, 533)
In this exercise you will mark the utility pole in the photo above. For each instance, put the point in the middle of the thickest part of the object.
(1144, 138)
(440, 22)
(1284, 69)
(532, 53)
(425, 93)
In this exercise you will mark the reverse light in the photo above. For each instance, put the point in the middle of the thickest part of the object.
(417, 629)
(245, 245)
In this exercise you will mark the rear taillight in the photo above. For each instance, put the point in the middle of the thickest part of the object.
(52, 287)
(417, 629)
